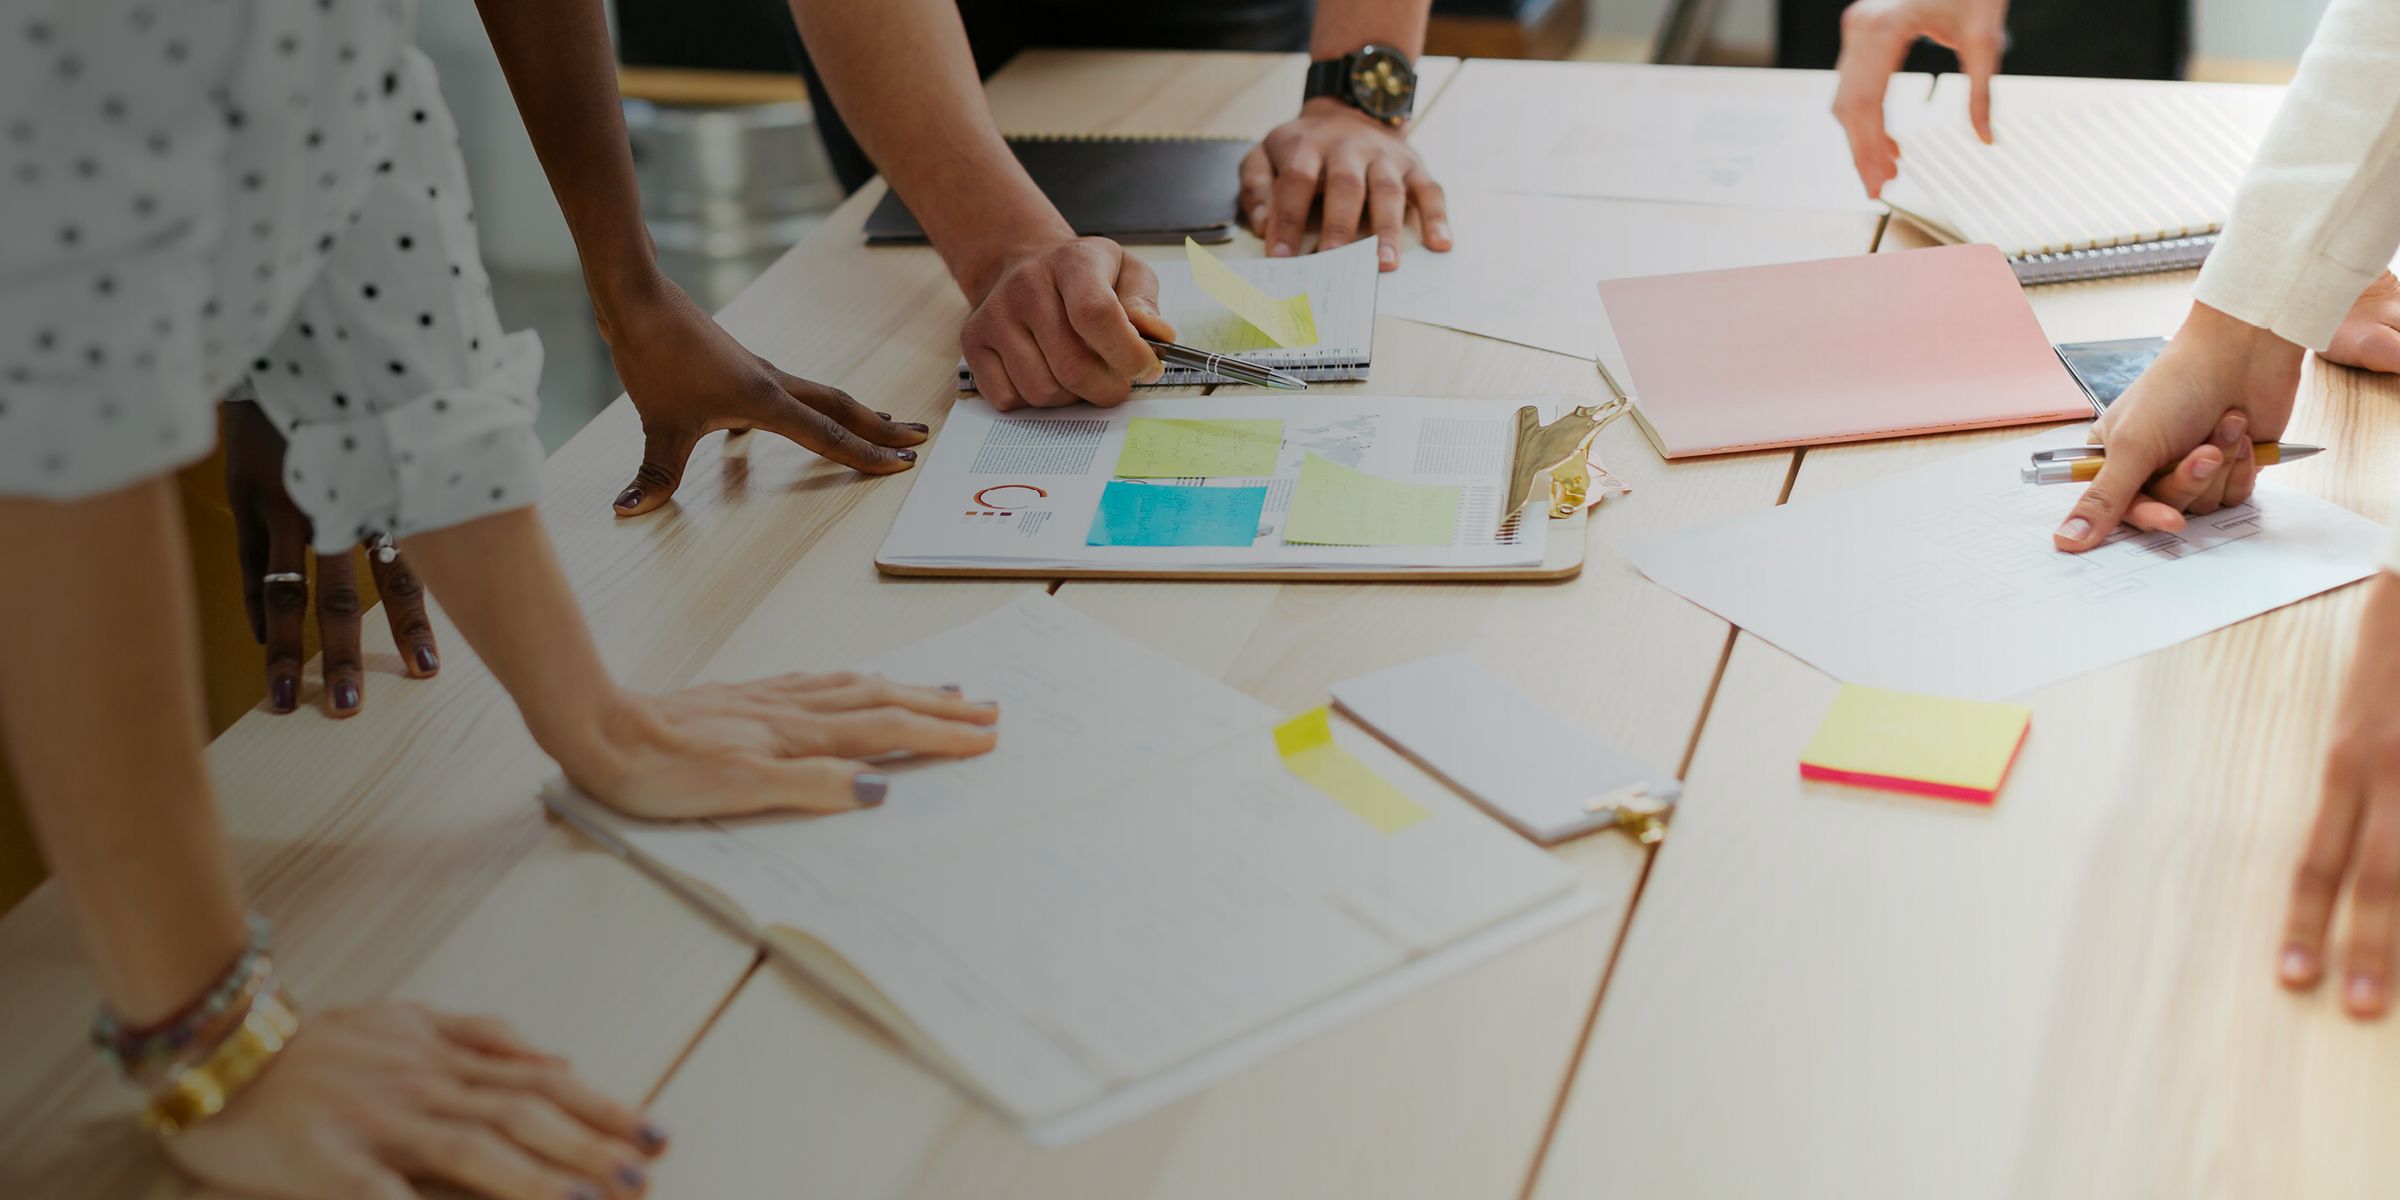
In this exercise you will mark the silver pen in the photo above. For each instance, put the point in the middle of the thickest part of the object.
(1226, 366)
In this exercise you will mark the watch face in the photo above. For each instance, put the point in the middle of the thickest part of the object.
(1382, 84)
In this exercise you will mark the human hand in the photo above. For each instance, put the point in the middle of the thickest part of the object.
(1876, 36)
(363, 1100)
(2357, 830)
(2369, 337)
(272, 537)
(2219, 385)
(790, 743)
(689, 378)
(1064, 322)
(1363, 166)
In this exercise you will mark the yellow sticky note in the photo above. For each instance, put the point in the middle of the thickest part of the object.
(1930, 745)
(1287, 322)
(1337, 506)
(1309, 751)
(1170, 448)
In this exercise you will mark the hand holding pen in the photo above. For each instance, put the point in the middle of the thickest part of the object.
(2183, 438)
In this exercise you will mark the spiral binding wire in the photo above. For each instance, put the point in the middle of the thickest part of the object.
(2109, 262)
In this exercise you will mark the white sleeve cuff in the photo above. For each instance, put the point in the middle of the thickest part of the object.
(2262, 278)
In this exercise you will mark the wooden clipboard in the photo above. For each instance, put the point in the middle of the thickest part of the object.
(1549, 475)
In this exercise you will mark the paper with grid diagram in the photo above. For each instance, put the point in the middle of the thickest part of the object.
(1944, 579)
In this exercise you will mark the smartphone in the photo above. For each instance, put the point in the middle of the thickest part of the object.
(2106, 369)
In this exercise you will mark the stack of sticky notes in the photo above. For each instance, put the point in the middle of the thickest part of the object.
(1927, 745)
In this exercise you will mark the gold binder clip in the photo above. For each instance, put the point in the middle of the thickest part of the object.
(1638, 814)
(1558, 452)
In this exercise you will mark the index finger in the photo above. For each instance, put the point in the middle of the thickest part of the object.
(2317, 881)
(2105, 499)
(1258, 177)
(2374, 904)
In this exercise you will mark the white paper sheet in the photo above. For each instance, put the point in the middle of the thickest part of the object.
(1131, 887)
(1944, 580)
(1018, 491)
(1526, 267)
(1523, 762)
(1692, 135)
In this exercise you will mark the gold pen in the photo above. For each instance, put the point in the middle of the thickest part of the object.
(2082, 464)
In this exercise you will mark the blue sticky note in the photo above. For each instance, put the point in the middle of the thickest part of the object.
(1159, 514)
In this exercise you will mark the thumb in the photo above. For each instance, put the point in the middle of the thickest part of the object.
(664, 453)
(2105, 500)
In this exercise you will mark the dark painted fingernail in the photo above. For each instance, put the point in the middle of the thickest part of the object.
(906, 455)
(345, 697)
(920, 426)
(954, 689)
(886, 416)
(633, 1177)
(427, 660)
(651, 1135)
(584, 1191)
(869, 789)
(284, 694)
(631, 497)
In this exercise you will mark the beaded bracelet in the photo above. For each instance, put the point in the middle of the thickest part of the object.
(201, 1090)
(144, 1054)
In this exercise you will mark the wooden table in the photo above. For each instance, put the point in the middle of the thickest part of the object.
(1819, 991)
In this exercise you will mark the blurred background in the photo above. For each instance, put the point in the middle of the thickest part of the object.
(732, 172)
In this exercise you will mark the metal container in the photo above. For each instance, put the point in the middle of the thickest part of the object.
(726, 189)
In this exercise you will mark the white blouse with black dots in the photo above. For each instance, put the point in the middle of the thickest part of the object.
(199, 190)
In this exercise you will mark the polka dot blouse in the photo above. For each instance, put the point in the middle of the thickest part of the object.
(199, 192)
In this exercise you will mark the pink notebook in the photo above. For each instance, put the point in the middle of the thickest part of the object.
(1840, 350)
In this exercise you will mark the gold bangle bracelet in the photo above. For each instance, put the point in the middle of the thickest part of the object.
(204, 1089)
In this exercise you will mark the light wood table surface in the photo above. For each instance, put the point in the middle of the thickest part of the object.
(1822, 991)
(1831, 992)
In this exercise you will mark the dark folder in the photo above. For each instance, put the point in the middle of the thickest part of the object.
(1138, 190)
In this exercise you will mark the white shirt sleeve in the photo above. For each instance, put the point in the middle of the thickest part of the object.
(2318, 216)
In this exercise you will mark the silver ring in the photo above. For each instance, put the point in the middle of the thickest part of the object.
(283, 577)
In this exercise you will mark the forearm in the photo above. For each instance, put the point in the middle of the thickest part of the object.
(562, 72)
(904, 78)
(499, 580)
(100, 705)
(1345, 25)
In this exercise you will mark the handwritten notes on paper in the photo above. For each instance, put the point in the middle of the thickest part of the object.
(1287, 322)
(1334, 505)
(1152, 514)
(1309, 751)
(1905, 742)
(1171, 448)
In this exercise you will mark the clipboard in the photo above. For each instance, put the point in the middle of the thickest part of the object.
(1549, 478)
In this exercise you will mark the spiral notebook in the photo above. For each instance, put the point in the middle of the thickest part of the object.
(2138, 185)
(1140, 189)
(1340, 285)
